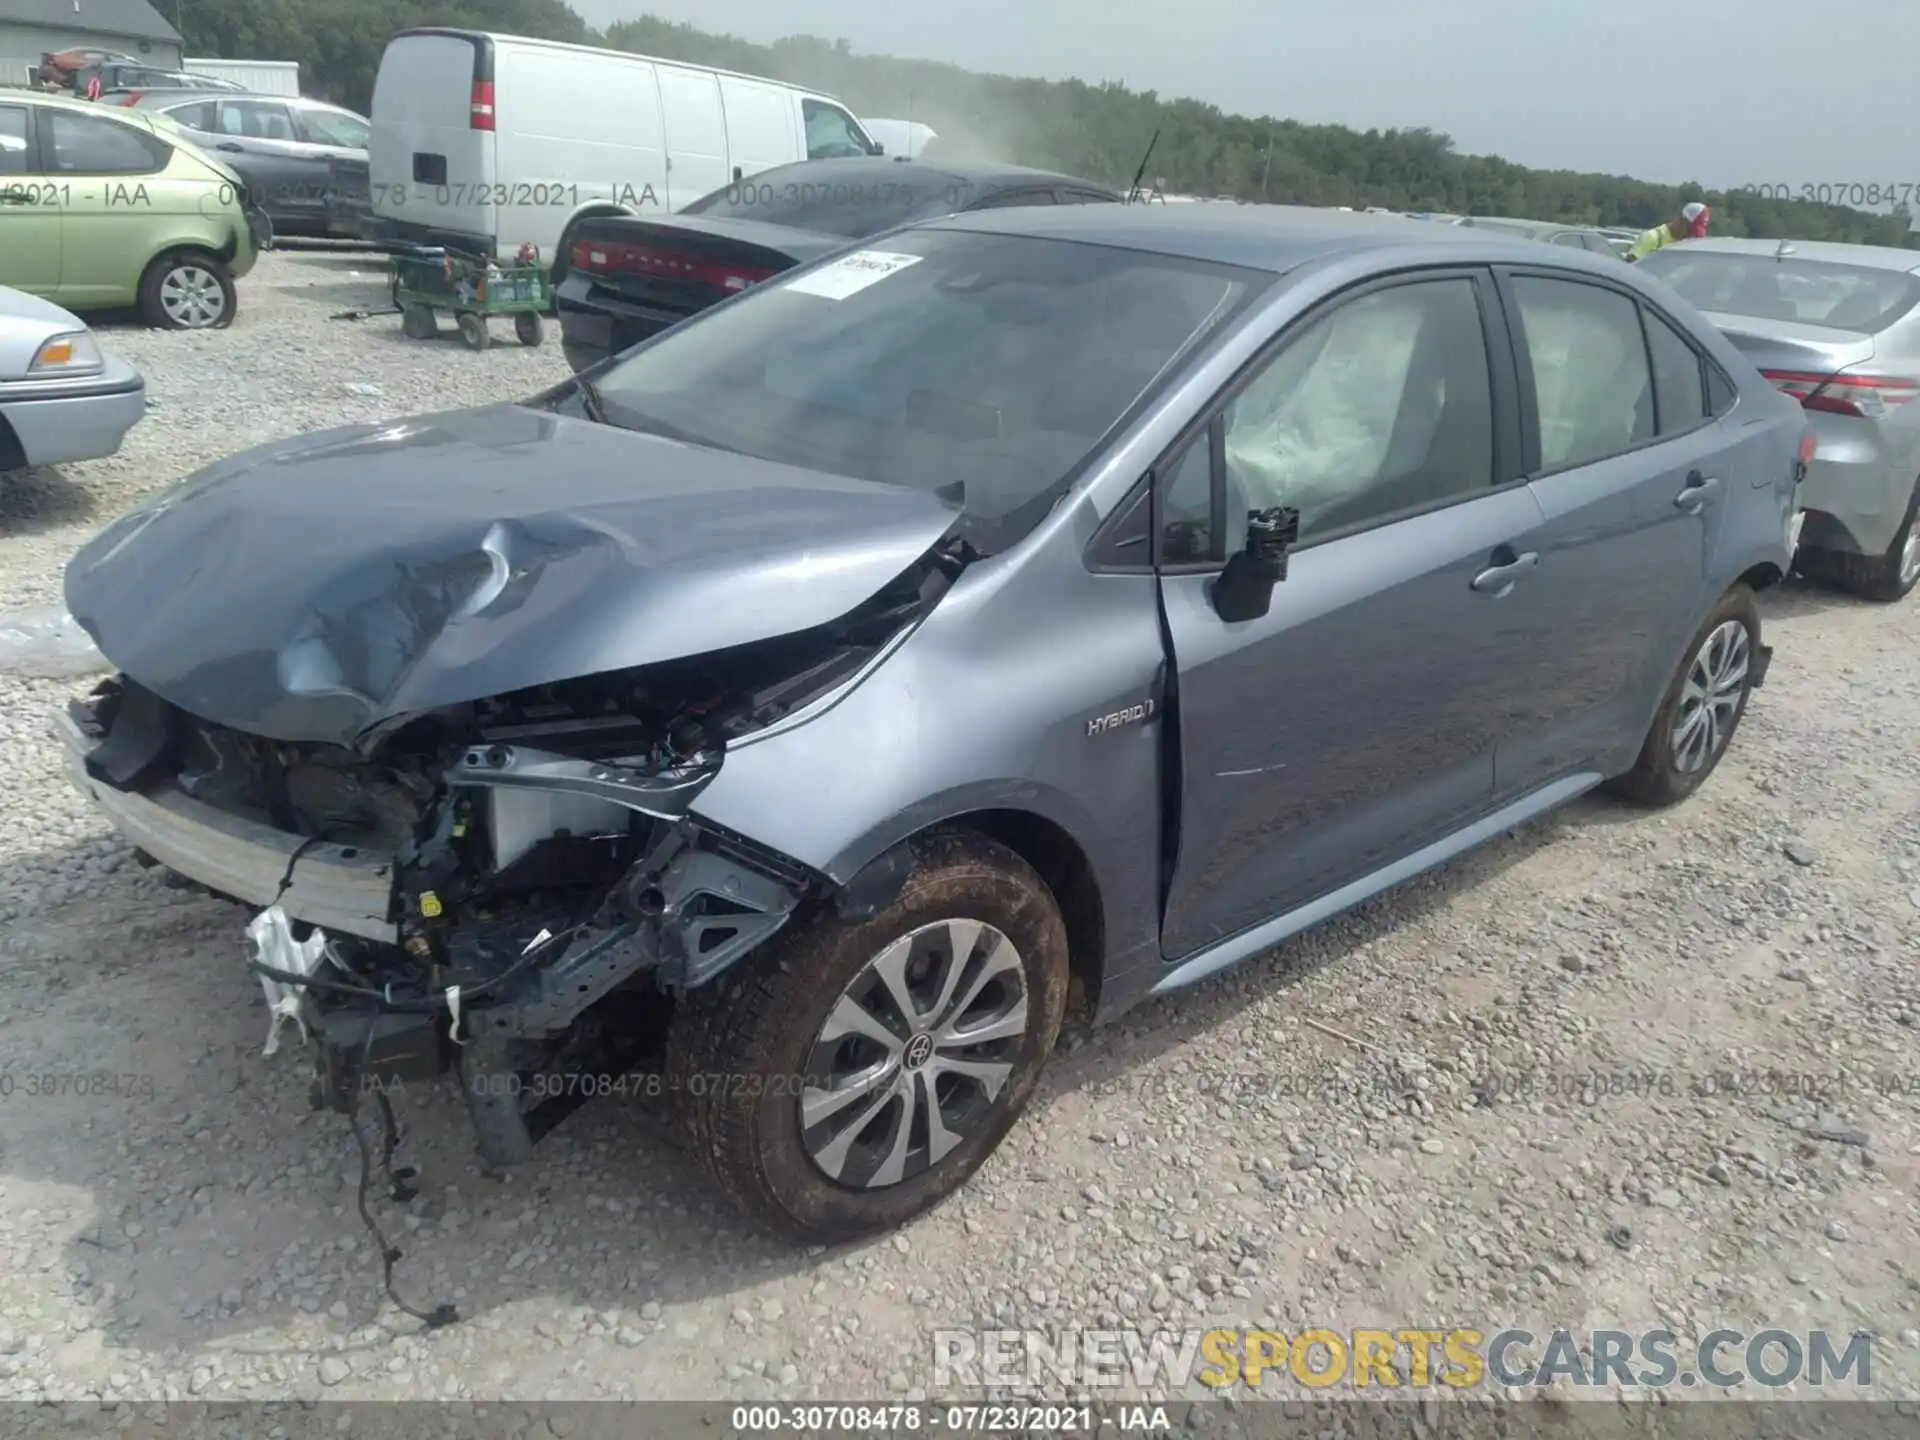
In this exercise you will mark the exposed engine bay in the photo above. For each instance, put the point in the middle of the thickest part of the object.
(547, 882)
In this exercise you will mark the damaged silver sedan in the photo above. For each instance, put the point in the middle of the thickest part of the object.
(1036, 611)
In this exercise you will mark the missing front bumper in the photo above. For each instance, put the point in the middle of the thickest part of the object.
(338, 888)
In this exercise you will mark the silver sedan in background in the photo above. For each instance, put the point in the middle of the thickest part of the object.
(61, 398)
(1837, 327)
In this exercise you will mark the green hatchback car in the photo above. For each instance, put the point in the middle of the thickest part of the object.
(102, 207)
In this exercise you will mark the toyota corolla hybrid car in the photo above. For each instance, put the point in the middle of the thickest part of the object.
(1837, 328)
(1027, 613)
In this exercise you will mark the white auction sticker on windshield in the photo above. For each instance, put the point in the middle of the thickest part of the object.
(851, 274)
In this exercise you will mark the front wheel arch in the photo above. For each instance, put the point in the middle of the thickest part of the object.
(742, 1051)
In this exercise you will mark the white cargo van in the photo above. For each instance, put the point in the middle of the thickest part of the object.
(486, 142)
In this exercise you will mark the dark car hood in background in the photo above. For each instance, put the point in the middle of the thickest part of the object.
(312, 588)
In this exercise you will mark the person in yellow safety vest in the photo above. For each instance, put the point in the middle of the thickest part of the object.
(1689, 224)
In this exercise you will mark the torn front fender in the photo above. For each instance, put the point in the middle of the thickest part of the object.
(314, 589)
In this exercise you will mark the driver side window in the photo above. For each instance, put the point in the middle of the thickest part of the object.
(831, 132)
(1382, 406)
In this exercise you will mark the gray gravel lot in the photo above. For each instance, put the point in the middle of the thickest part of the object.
(1340, 1135)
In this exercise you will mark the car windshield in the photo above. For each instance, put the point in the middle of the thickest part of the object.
(851, 209)
(1862, 298)
(983, 367)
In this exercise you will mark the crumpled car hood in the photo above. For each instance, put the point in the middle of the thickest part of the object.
(310, 589)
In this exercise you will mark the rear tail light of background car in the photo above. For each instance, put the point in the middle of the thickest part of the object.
(1865, 397)
(614, 258)
(480, 110)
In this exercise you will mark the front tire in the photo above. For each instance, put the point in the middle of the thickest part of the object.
(1701, 709)
(850, 1077)
(187, 290)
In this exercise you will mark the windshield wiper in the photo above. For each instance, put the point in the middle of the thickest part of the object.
(590, 400)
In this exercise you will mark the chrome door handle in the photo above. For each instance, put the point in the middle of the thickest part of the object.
(1694, 497)
(1499, 579)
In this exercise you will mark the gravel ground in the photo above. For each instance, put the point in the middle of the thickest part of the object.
(1330, 1137)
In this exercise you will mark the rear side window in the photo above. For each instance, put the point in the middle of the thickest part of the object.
(13, 140)
(197, 116)
(255, 119)
(1008, 199)
(1679, 391)
(1720, 391)
(1592, 385)
(83, 145)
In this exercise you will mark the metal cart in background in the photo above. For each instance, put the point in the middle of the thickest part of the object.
(473, 289)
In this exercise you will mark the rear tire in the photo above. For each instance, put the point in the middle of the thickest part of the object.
(1702, 707)
(473, 332)
(528, 328)
(976, 945)
(1892, 576)
(187, 290)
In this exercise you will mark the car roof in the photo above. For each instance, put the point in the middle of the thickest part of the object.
(502, 37)
(882, 169)
(1879, 257)
(1274, 238)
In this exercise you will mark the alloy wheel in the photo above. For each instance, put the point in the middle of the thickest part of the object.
(1710, 697)
(192, 298)
(915, 1054)
(1910, 556)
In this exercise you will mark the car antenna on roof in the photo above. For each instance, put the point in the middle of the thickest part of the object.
(1134, 189)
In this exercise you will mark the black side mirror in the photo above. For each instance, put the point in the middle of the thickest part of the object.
(1244, 590)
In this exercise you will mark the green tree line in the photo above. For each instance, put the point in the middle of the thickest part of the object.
(1099, 131)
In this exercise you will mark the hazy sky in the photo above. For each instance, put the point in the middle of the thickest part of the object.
(1727, 92)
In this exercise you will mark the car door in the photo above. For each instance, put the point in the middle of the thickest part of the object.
(288, 175)
(29, 208)
(760, 125)
(1623, 459)
(108, 177)
(1357, 719)
(696, 133)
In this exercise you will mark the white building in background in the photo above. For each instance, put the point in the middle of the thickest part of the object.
(32, 28)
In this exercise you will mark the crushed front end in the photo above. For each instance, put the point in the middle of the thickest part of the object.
(511, 889)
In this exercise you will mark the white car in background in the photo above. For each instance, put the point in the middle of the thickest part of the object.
(61, 397)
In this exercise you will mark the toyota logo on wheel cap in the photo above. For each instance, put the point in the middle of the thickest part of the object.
(919, 1051)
